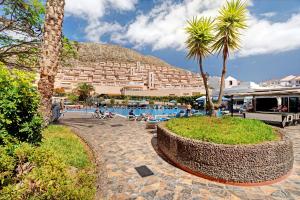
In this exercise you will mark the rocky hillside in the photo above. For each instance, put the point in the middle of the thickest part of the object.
(94, 52)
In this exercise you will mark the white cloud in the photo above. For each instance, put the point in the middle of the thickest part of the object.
(93, 10)
(265, 37)
(268, 14)
(163, 27)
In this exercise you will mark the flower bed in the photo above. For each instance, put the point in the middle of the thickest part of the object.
(237, 164)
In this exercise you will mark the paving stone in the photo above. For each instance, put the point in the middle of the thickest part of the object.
(119, 150)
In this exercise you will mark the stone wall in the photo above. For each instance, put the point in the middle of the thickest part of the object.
(228, 163)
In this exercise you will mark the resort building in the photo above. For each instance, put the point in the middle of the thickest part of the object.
(288, 81)
(231, 82)
(115, 70)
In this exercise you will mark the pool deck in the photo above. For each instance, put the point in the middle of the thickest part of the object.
(121, 145)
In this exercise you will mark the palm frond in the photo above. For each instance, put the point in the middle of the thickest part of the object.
(231, 20)
(200, 37)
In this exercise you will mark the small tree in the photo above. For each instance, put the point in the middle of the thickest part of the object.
(202, 42)
(200, 38)
(73, 98)
(59, 92)
(112, 101)
(229, 23)
(19, 102)
(84, 91)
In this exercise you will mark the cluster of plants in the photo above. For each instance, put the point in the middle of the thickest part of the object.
(226, 130)
(221, 35)
(56, 167)
(178, 99)
(19, 102)
(59, 168)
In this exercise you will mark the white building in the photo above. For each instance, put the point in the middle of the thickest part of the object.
(231, 82)
(243, 87)
(287, 81)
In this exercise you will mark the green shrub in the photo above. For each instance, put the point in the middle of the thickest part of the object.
(19, 103)
(48, 172)
(226, 130)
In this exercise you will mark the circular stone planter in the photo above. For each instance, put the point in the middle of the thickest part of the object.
(255, 164)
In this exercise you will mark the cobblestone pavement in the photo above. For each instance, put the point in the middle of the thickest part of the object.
(122, 145)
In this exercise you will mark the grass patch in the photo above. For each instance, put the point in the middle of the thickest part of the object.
(59, 168)
(65, 143)
(226, 130)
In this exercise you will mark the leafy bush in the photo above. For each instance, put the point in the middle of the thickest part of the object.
(46, 171)
(19, 103)
(226, 130)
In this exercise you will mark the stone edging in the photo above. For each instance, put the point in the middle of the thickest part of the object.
(256, 164)
(100, 179)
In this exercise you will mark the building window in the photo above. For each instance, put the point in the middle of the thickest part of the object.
(230, 82)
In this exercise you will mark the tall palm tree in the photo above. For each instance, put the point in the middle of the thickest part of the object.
(200, 38)
(50, 54)
(229, 23)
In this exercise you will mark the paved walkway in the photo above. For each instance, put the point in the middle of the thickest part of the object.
(122, 145)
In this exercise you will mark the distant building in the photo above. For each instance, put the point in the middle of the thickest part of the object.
(112, 69)
(288, 81)
(243, 87)
(231, 82)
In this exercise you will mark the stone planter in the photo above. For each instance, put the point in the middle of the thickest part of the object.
(233, 164)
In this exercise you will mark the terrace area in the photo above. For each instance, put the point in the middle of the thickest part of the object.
(121, 146)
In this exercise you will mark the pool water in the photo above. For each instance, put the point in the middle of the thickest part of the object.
(136, 111)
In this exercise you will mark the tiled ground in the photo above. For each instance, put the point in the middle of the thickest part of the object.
(122, 148)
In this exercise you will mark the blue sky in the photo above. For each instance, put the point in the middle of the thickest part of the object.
(270, 46)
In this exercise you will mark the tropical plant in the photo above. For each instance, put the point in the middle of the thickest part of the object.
(21, 34)
(200, 38)
(231, 20)
(112, 101)
(50, 54)
(202, 42)
(84, 91)
(60, 92)
(19, 102)
(74, 98)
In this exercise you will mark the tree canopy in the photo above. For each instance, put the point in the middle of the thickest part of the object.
(21, 32)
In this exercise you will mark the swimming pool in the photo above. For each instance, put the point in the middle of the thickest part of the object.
(136, 111)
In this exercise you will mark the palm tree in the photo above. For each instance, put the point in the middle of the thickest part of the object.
(84, 91)
(50, 54)
(200, 38)
(229, 23)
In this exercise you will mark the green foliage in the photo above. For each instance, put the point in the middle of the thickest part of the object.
(19, 101)
(232, 18)
(73, 98)
(151, 102)
(226, 130)
(68, 51)
(182, 99)
(112, 101)
(61, 140)
(23, 18)
(200, 37)
(84, 91)
(58, 169)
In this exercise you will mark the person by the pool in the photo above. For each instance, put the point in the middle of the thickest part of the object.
(188, 109)
(131, 113)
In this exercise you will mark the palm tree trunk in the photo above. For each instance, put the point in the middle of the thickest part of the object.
(50, 55)
(224, 70)
(204, 77)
